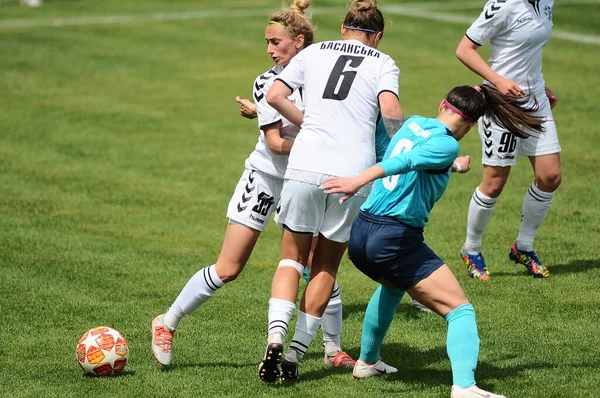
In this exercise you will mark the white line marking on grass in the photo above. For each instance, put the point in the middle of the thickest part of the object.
(418, 10)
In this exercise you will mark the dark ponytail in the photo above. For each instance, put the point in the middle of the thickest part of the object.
(515, 114)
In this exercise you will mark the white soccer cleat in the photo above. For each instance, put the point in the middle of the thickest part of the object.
(362, 370)
(162, 341)
(472, 392)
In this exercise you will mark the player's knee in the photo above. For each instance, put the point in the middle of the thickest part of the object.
(549, 182)
(229, 272)
(493, 188)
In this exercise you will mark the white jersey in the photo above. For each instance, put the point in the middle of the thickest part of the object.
(342, 81)
(262, 158)
(517, 30)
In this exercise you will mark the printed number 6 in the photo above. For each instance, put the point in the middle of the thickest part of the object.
(404, 145)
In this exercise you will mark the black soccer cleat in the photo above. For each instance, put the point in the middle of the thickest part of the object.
(268, 370)
(289, 370)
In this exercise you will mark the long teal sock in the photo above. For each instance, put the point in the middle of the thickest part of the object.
(378, 318)
(462, 344)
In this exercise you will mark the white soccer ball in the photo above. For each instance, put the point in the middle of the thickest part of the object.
(102, 351)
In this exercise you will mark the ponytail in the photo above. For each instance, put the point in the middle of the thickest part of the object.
(515, 114)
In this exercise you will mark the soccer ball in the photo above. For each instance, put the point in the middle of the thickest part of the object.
(102, 351)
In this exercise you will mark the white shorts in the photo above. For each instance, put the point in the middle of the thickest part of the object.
(502, 148)
(254, 199)
(304, 207)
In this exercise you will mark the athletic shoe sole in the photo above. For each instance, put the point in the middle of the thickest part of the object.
(268, 370)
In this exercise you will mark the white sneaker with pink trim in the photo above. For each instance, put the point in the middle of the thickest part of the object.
(472, 392)
(162, 341)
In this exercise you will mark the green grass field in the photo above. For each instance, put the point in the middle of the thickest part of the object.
(120, 145)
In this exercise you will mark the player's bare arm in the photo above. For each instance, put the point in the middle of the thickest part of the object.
(277, 97)
(391, 112)
(276, 143)
(350, 185)
(467, 53)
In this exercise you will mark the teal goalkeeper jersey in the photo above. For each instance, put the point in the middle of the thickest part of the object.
(417, 166)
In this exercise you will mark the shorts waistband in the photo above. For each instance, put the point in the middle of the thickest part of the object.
(387, 220)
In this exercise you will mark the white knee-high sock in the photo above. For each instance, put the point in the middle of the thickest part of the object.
(280, 313)
(197, 290)
(306, 328)
(480, 211)
(331, 323)
(535, 207)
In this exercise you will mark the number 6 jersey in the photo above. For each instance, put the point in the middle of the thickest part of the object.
(342, 81)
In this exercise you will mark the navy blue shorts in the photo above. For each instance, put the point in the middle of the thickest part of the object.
(383, 247)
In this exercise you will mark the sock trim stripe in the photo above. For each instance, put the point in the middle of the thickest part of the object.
(210, 277)
(284, 329)
(299, 343)
(335, 295)
(278, 320)
(537, 196)
(482, 202)
(207, 278)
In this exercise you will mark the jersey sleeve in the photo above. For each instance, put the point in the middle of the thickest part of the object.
(491, 22)
(436, 153)
(267, 115)
(382, 139)
(388, 78)
(293, 74)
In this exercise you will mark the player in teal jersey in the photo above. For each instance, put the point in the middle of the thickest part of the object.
(386, 242)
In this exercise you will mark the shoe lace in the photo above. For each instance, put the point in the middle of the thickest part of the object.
(163, 338)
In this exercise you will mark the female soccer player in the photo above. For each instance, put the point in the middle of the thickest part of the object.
(256, 195)
(346, 83)
(517, 31)
(386, 242)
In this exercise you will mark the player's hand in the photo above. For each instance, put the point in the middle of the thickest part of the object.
(506, 86)
(345, 185)
(551, 97)
(462, 164)
(247, 107)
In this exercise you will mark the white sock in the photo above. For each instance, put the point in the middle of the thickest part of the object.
(535, 207)
(480, 211)
(199, 288)
(306, 328)
(332, 321)
(280, 313)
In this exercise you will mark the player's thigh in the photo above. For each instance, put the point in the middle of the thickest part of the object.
(237, 247)
(440, 291)
(327, 256)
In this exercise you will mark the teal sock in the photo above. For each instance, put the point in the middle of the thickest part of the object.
(462, 344)
(378, 318)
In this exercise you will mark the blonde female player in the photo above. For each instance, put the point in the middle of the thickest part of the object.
(347, 82)
(256, 194)
(517, 31)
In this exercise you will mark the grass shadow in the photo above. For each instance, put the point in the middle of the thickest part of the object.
(414, 367)
(572, 267)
